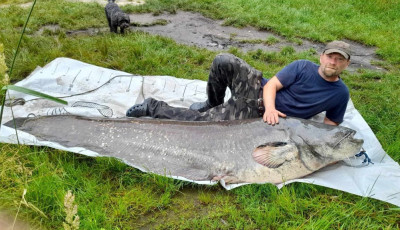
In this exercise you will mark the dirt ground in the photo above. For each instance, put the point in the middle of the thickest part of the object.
(194, 29)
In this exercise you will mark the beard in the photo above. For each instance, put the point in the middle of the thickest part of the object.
(330, 72)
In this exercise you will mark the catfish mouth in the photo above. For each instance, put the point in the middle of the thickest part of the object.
(349, 136)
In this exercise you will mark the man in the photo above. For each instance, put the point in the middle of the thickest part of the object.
(301, 89)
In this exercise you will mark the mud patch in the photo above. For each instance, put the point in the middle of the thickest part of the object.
(194, 29)
(191, 28)
(49, 29)
(90, 31)
(55, 29)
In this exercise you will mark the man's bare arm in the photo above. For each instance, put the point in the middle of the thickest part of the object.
(271, 115)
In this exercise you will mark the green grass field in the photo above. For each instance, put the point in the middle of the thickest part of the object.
(112, 195)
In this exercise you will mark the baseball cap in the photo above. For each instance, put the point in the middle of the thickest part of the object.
(338, 47)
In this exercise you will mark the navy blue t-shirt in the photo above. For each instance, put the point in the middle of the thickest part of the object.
(305, 93)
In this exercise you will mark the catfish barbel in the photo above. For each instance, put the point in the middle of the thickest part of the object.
(240, 151)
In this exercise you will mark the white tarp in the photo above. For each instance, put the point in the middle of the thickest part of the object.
(99, 92)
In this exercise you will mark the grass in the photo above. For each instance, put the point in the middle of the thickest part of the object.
(112, 195)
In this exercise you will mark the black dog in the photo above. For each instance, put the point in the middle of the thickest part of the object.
(116, 18)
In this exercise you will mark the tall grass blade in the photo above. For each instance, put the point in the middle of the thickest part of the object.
(30, 92)
(12, 114)
(34, 93)
(20, 39)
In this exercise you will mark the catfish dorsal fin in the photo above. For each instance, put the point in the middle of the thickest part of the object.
(274, 154)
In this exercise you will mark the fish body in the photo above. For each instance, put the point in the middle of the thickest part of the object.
(241, 151)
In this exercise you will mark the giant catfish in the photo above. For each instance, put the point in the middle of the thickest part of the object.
(241, 151)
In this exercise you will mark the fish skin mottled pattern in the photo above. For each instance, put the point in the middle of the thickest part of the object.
(203, 151)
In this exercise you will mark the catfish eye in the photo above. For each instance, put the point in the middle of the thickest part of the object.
(278, 144)
(273, 144)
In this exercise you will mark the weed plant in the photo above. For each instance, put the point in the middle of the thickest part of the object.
(112, 195)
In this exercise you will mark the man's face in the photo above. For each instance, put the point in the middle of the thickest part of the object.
(332, 65)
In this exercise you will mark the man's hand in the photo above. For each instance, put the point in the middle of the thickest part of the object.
(271, 116)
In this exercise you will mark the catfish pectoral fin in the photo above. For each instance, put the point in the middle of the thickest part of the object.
(273, 155)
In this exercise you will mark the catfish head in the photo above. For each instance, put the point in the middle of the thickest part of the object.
(310, 144)
(320, 144)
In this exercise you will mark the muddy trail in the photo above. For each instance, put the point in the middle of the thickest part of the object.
(194, 29)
